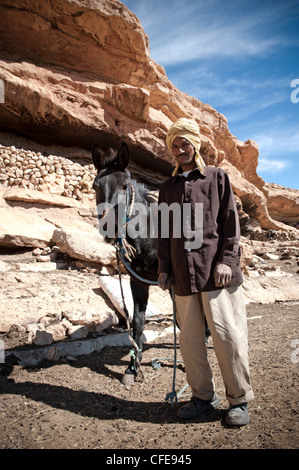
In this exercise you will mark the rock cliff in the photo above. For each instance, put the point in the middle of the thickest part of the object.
(77, 71)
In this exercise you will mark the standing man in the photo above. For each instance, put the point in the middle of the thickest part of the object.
(207, 278)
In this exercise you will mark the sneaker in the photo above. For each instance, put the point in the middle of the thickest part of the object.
(237, 415)
(197, 407)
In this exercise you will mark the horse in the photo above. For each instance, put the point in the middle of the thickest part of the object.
(116, 193)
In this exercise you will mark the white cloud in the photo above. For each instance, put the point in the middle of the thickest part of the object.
(221, 41)
(238, 97)
(184, 30)
(272, 166)
(277, 140)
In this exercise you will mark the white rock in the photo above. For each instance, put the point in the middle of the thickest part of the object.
(58, 331)
(87, 246)
(32, 196)
(270, 256)
(110, 285)
(93, 319)
(17, 229)
(77, 332)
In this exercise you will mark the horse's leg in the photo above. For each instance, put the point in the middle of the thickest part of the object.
(140, 297)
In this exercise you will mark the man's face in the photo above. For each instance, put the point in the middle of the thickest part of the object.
(184, 153)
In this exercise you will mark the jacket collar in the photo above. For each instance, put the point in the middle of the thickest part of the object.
(193, 175)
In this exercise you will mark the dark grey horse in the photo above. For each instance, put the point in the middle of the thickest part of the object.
(114, 185)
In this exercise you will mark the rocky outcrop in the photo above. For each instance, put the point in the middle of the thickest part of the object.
(282, 203)
(29, 218)
(17, 230)
(79, 71)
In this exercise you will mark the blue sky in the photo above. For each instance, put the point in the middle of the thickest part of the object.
(241, 57)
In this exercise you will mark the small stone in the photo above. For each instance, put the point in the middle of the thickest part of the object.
(36, 252)
(43, 258)
(52, 354)
(42, 338)
(71, 358)
(77, 332)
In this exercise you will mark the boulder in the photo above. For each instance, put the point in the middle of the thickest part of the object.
(267, 290)
(17, 229)
(282, 203)
(42, 338)
(86, 246)
(95, 320)
(111, 286)
(38, 197)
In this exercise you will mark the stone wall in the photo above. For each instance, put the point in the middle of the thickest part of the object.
(55, 174)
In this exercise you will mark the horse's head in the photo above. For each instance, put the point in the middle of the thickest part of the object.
(111, 183)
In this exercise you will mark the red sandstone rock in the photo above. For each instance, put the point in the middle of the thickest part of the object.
(79, 71)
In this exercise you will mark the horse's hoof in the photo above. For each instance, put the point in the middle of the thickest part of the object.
(139, 377)
(128, 379)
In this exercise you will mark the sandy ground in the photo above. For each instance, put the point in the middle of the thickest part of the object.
(79, 403)
(82, 404)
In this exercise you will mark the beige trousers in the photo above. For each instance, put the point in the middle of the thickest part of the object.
(226, 316)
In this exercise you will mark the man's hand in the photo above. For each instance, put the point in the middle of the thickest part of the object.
(222, 275)
(164, 281)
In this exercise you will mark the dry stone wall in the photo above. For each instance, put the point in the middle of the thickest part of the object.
(33, 170)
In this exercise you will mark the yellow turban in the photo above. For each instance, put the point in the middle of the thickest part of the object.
(187, 129)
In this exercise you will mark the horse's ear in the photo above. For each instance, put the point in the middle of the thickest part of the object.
(123, 156)
(98, 156)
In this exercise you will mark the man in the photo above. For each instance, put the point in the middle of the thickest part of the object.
(206, 276)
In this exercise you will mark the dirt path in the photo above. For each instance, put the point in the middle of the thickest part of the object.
(81, 403)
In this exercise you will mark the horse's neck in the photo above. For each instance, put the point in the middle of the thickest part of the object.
(144, 194)
(138, 190)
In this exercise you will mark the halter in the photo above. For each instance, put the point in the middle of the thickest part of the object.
(122, 246)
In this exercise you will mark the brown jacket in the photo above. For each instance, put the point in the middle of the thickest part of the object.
(192, 268)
